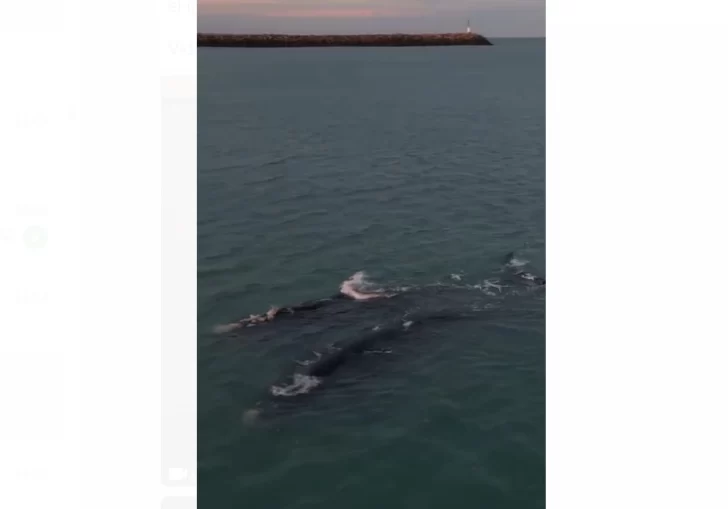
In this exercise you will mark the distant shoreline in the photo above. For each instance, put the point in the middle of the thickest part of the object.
(381, 40)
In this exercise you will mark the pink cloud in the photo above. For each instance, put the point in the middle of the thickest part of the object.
(306, 9)
(331, 13)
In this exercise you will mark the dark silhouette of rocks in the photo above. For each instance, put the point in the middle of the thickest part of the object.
(292, 41)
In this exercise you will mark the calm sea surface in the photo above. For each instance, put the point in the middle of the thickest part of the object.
(423, 167)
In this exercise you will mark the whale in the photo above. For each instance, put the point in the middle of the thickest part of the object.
(519, 272)
(310, 376)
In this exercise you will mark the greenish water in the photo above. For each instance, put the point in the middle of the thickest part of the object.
(420, 166)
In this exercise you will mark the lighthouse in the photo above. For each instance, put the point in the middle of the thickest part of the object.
(468, 29)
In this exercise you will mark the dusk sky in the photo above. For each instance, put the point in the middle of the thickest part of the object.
(492, 18)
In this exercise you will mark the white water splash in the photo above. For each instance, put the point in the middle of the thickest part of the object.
(301, 384)
(318, 356)
(456, 277)
(406, 325)
(516, 262)
(358, 287)
(358, 281)
(488, 283)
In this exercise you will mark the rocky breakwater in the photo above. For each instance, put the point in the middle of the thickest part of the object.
(292, 41)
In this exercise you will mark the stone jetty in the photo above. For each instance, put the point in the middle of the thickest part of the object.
(292, 41)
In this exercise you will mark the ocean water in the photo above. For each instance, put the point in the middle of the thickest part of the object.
(424, 168)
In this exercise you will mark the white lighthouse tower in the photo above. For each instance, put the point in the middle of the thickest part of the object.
(468, 29)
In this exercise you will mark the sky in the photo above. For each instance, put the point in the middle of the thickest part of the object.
(491, 18)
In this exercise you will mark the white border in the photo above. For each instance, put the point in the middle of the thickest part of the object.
(636, 115)
(636, 200)
(81, 235)
(178, 60)
(179, 280)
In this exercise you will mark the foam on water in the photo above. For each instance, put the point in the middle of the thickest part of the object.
(489, 283)
(359, 280)
(516, 262)
(301, 384)
(359, 287)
